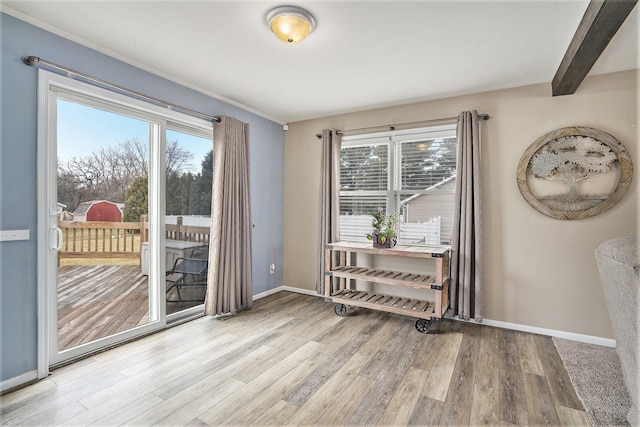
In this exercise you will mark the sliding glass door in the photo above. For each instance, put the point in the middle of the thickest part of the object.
(189, 174)
(120, 184)
(102, 159)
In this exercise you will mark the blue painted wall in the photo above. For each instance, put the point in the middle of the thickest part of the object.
(18, 188)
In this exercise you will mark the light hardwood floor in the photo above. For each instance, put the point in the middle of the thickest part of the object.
(291, 361)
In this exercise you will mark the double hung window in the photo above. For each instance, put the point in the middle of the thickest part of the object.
(411, 172)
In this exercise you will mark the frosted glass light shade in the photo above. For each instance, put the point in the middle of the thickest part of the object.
(290, 24)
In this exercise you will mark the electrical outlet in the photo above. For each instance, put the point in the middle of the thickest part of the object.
(272, 268)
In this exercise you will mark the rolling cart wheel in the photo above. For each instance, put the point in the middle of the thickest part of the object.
(422, 326)
(340, 309)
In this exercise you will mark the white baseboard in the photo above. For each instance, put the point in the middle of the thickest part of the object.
(285, 288)
(544, 331)
(19, 380)
(498, 324)
(313, 293)
(267, 293)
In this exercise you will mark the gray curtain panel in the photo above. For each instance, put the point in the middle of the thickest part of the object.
(466, 264)
(329, 201)
(229, 287)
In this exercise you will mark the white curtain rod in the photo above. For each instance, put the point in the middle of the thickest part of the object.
(481, 116)
(33, 60)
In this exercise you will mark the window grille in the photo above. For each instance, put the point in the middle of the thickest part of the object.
(411, 172)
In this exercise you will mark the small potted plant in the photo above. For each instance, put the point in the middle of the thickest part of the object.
(384, 233)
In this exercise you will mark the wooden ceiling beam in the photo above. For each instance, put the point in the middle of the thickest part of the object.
(600, 22)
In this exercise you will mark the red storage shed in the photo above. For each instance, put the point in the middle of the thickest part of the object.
(98, 210)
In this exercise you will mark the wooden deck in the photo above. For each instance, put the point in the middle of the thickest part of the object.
(95, 301)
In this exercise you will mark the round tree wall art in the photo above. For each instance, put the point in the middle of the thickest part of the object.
(574, 173)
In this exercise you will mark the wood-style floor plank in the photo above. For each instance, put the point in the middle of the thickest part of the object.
(291, 361)
(326, 396)
(542, 410)
(253, 409)
(458, 404)
(485, 409)
(344, 346)
(205, 393)
(403, 402)
(218, 413)
(346, 402)
(529, 359)
(572, 417)
(443, 353)
(427, 412)
(388, 366)
(557, 377)
(59, 405)
(512, 397)
(276, 415)
(109, 410)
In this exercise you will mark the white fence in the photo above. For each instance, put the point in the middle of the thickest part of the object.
(194, 220)
(356, 227)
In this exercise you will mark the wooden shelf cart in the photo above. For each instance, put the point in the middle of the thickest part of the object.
(424, 310)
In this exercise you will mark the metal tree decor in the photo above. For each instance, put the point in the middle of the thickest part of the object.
(570, 156)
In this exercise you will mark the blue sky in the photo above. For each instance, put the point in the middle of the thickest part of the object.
(83, 130)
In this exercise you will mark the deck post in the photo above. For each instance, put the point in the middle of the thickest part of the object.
(144, 229)
(179, 222)
(144, 232)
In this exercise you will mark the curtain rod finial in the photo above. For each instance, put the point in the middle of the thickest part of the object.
(30, 60)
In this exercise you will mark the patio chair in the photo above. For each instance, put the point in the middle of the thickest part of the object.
(188, 273)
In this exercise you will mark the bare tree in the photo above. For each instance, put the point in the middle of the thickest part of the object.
(572, 159)
(176, 158)
(108, 172)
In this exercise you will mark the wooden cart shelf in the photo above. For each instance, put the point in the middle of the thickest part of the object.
(414, 307)
(383, 276)
(343, 295)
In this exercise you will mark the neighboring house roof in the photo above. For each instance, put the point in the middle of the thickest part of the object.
(82, 208)
(66, 216)
(433, 187)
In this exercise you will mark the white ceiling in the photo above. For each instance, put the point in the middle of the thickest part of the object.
(362, 55)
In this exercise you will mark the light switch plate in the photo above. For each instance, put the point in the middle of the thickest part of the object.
(8, 235)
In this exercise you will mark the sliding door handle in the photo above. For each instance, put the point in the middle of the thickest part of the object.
(56, 239)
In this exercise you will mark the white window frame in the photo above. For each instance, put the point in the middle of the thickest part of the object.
(394, 139)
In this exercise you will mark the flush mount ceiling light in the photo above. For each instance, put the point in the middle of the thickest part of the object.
(291, 24)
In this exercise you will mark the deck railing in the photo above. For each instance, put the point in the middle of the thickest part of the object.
(99, 239)
(187, 233)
